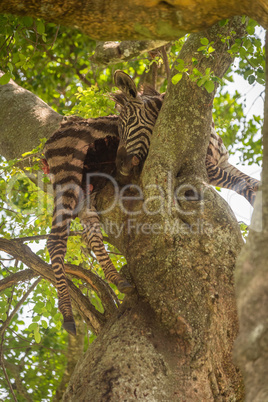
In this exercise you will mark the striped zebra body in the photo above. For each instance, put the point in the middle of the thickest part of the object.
(81, 146)
(138, 114)
(68, 152)
(222, 174)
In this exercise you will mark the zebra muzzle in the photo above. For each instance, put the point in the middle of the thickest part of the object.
(128, 165)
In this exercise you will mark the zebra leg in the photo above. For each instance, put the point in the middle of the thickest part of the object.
(93, 237)
(221, 178)
(56, 245)
(65, 202)
(227, 167)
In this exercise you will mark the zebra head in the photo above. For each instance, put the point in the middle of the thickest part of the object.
(138, 114)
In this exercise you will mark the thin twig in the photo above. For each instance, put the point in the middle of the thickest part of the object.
(10, 301)
(9, 210)
(31, 343)
(259, 96)
(6, 376)
(54, 40)
(18, 306)
(112, 252)
(42, 237)
(2, 334)
(165, 60)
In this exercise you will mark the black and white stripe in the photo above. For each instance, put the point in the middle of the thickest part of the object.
(69, 152)
(86, 145)
(138, 114)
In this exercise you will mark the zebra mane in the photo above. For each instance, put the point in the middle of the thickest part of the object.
(121, 99)
(148, 90)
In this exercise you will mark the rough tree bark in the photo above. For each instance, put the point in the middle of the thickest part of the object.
(251, 349)
(137, 19)
(172, 340)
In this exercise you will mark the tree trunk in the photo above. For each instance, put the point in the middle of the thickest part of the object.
(252, 288)
(172, 340)
(137, 19)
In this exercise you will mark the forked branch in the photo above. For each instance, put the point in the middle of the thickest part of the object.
(37, 266)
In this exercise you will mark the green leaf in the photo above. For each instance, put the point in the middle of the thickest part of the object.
(44, 324)
(46, 314)
(33, 326)
(257, 118)
(209, 85)
(176, 78)
(57, 317)
(250, 30)
(58, 325)
(180, 64)
(197, 72)
(37, 336)
(251, 79)
(28, 21)
(5, 79)
(4, 317)
(10, 66)
(248, 72)
(201, 48)
(223, 22)
(211, 49)
(40, 27)
(204, 41)
(243, 52)
(201, 81)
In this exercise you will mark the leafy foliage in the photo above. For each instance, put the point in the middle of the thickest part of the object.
(55, 63)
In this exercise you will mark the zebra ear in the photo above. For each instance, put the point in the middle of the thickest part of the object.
(125, 84)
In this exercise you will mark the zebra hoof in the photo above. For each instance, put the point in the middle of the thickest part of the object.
(70, 327)
(125, 287)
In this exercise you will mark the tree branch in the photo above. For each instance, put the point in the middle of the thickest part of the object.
(13, 279)
(113, 52)
(252, 285)
(137, 19)
(95, 319)
(103, 290)
(22, 109)
(43, 237)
